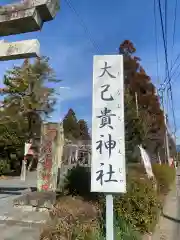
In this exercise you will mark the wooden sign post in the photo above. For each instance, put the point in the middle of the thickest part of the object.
(108, 168)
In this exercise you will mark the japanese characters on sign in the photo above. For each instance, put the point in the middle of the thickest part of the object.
(108, 172)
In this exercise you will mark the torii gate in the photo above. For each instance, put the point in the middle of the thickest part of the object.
(22, 17)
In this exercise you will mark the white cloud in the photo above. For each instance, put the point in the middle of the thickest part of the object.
(78, 91)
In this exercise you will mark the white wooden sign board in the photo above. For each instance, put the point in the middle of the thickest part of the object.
(19, 50)
(108, 168)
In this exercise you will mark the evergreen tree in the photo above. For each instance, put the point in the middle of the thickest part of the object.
(70, 124)
(150, 113)
(26, 94)
(83, 130)
(27, 100)
(134, 130)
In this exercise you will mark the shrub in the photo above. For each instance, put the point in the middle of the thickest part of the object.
(73, 219)
(165, 175)
(78, 183)
(139, 206)
(4, 166)
(124, 231)
(136, 169)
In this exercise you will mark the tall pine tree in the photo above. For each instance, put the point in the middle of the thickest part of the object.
(70, 124)
(27, 94)
(139, 84)
(83, 130)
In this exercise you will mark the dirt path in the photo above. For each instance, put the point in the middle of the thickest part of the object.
(17, 224)
(169, 224)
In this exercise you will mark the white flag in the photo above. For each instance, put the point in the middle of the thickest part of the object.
(147, 162)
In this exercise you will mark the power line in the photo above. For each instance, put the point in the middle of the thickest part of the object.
(70, 5)
(165, 35)
(165, 84)
(170, 86)
(166, 62)
(175, 78)
(173, 64)
(174, 26)
(169, 82)
(165, 22)
(156, 42)
(164, 40)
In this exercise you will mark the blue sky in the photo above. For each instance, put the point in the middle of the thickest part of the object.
(71, 45)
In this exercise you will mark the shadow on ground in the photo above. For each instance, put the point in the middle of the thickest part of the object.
(171, 218)
(15, 190)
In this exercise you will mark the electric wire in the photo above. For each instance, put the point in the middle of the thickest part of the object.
(156, 43)
(164, 40)
(164, 31)
(174, 26)
(93, 43)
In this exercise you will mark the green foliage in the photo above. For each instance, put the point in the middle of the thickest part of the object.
(26, 94)
(125, 231)
(136, 169)
(139, 206)
(78, 183)
(133, 126)
(87, 233)
(71, 129)
(12, 134)
(83, 130)
(4, 166)
(149, 127)
(165, 176)
(27, 99)
(121, 232)
(74, 129)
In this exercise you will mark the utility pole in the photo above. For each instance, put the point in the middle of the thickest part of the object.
(137, 107)
(166, 139)
(137, 113)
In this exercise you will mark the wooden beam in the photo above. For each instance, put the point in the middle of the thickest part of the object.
(19, 50)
